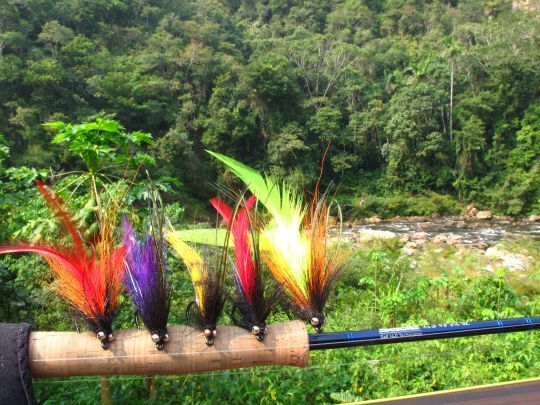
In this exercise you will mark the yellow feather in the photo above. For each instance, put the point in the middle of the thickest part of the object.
(290, 250)
(193, 261)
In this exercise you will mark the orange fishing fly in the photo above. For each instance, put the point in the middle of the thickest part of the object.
(88, 276)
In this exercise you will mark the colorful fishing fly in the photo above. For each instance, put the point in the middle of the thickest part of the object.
(255, 297)
(88, 276)
(294, 242)
(208, 283)
(147, 278)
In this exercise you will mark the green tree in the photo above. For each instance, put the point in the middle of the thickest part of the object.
(417, 150)
(470, 143)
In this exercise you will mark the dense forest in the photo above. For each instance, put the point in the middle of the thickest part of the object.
(412, 96)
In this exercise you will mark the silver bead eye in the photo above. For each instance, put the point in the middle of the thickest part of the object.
(166, 337)
(315, 321)
(101, 335)
(214, 333)
(111, 337)
(255, 330)
(155, 337)
(265, 330)
(207, 332)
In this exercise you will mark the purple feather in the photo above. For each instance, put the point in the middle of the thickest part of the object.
(140, 271)
(146, 278)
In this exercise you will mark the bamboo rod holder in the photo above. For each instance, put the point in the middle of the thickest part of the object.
(63, 354)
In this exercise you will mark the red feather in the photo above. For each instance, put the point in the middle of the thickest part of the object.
(56, 205)
(240, 229)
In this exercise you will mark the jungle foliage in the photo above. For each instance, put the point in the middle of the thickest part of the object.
(414, 96)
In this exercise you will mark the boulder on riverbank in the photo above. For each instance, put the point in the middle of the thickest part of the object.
(484, 215)
(441, 238)
(418, 235)
(479, 246)
(508, 260)
(472, 210)
(374, 220)
(454, 239)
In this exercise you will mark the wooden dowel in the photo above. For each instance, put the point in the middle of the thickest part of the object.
(63, 354)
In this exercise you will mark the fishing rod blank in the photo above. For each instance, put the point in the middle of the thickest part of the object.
(334, 340)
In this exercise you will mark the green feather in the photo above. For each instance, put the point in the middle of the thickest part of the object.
(282, 202)
(212, 237)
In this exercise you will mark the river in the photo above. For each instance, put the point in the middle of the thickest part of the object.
(472, 231)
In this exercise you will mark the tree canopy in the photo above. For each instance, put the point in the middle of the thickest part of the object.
(413, 95)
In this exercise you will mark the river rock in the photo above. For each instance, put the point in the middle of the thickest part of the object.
(411, 245)
(489, 267)
(440, 238)
(534, 218)
(366, 235)
(454, 239)
(484, 215)
(511, 261)
(449, 223)
(420, 242)
(418, 218)
(374, 220)
(471, 210)
(479, 245)
(515, 261)
(418, 235)
(461, 225)
(495, 252)
(408, 251)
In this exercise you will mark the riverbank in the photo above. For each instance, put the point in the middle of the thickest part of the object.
(454, 230)
(485, 244)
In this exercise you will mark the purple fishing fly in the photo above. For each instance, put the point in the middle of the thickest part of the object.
(147, 278)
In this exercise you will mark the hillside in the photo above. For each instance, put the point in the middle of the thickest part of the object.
(413, 96)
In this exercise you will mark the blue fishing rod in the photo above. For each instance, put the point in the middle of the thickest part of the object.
(334, 340)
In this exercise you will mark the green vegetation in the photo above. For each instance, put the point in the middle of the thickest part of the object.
(380, 289)
(414, 96)
(403, 204)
